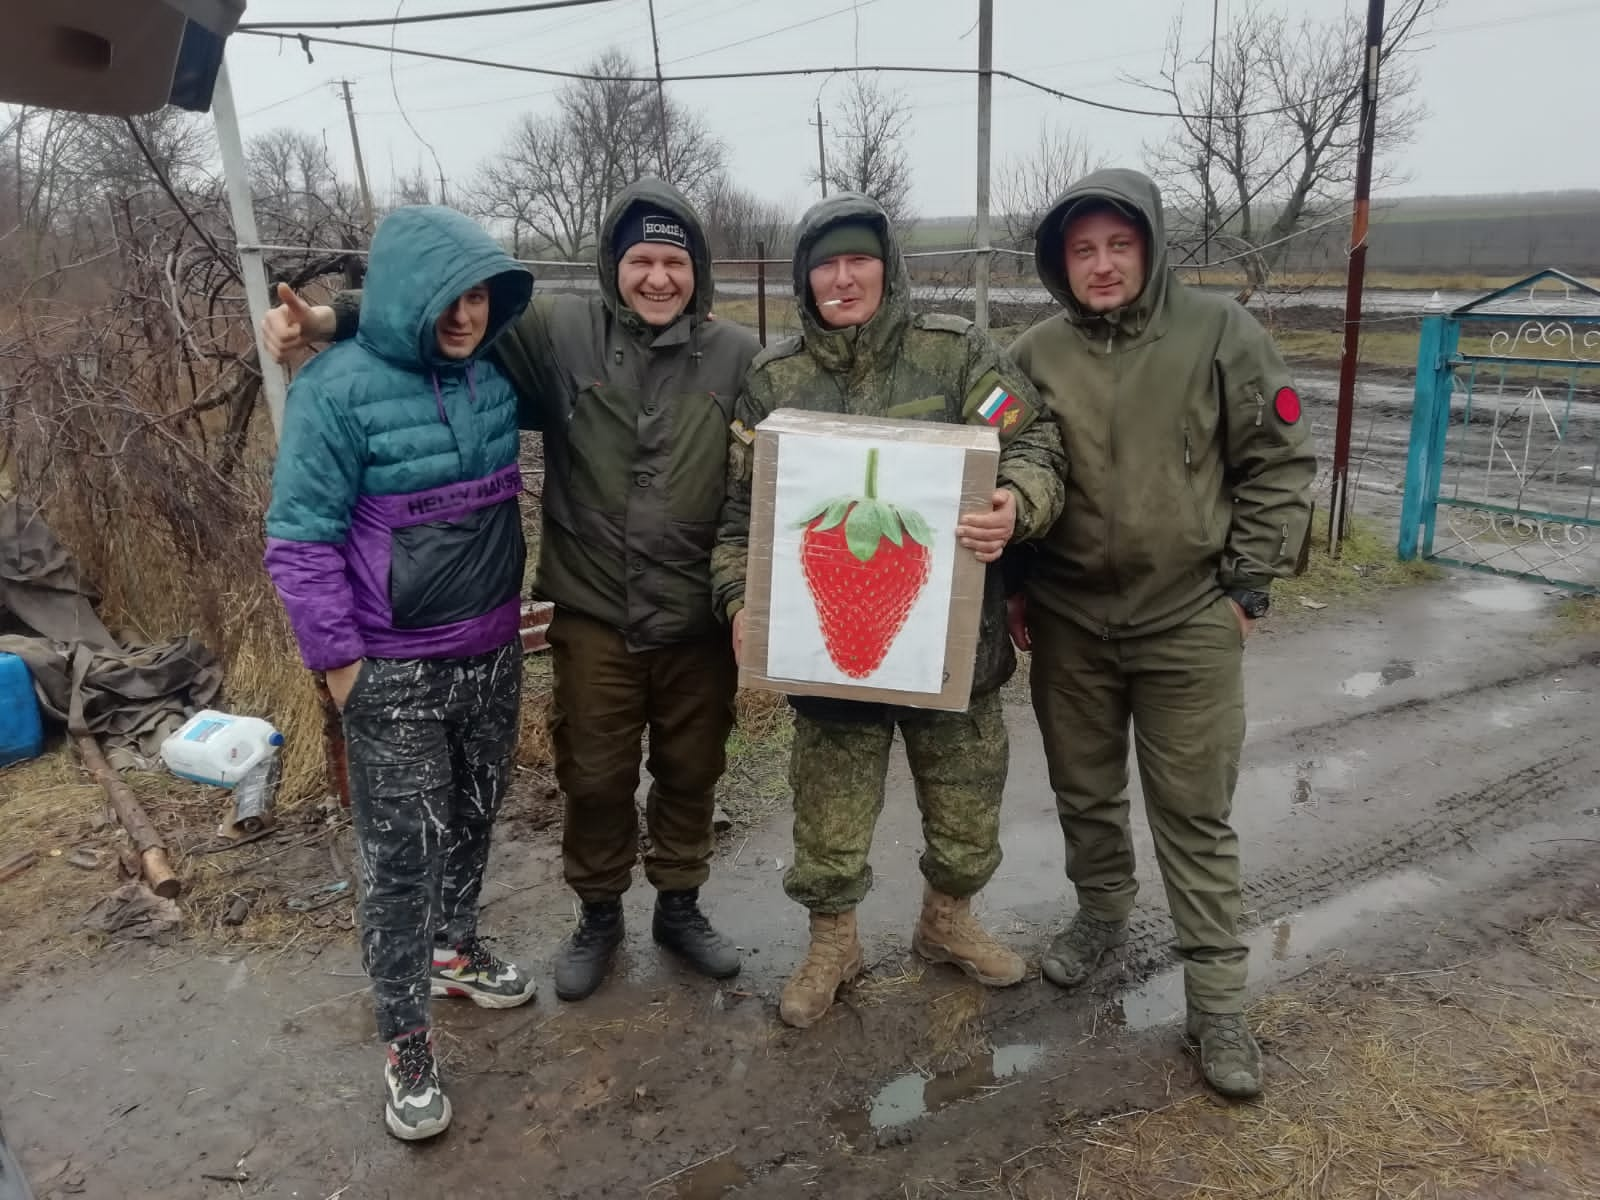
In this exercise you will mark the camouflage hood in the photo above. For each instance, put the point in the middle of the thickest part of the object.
(840, 349)
(661, 195)
(1130, 190)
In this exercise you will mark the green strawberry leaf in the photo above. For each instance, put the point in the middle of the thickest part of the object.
(889, 522)
(836, 512)
(915, 526)
(812, 513)
(831, 511)
(863, 531)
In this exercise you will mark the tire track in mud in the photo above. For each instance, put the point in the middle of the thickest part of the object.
(1366, 847)
(1506, 802)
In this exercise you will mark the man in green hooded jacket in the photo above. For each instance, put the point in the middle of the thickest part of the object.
(1189, 494)
(863, 351)
(633, 391)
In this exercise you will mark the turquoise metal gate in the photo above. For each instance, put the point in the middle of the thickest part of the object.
(1505, 435)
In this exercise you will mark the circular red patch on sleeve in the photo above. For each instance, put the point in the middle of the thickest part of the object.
(1287, 405)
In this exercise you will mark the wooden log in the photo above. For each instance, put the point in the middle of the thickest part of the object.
(153, 862)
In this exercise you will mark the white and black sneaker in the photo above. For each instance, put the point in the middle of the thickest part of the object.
(469, 970)
(415, 1106)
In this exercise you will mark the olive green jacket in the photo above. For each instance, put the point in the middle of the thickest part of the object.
(1191, 463)
(927, 368)
(635, 425)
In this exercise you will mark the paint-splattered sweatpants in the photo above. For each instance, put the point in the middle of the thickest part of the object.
(430, 744)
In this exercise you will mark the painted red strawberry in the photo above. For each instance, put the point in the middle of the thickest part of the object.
(865, 563)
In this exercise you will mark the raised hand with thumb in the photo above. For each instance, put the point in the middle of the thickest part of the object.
(294, 324)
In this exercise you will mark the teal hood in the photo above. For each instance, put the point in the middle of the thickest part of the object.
(423, 257)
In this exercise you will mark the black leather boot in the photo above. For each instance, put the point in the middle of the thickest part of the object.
(584, 959)
(681, 927)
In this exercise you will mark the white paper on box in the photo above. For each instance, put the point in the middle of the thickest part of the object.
(911, 476)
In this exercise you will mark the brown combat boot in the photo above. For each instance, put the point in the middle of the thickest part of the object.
(947, 932)
(833, 960)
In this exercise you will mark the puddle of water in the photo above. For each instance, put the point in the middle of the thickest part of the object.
(1282, 945)
(1367, 683)
(710, 1180)
(1507, 598)
(1301, 781)
(908, 1097)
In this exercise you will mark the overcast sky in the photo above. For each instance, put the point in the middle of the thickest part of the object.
(1509, 87)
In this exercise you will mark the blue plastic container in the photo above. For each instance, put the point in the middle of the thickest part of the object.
(21, 729)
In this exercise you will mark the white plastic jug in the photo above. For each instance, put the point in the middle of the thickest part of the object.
(219, 748)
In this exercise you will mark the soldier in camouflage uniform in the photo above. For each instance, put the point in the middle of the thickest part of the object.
(863, 351)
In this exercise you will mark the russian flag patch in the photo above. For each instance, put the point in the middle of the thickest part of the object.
(1000, 408)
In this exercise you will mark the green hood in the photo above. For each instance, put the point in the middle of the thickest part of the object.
(656, 194)
(423, 257)
(836, 349)
(1132, 189)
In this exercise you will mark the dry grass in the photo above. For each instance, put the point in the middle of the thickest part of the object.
(1405, 1097)
(1426, 1085)
(956, 1032)
(1366, 566)
(1580, 614)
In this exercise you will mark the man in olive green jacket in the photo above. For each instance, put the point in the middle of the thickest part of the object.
(633, 392)
(1189, 493)
(863, 351)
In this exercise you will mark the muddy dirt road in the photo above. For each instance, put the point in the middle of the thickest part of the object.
(1428, 759)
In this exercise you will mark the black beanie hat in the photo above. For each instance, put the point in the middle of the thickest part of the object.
(640, 224)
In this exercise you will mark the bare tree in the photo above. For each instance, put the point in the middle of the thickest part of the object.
(552, 181)
(737, 221)
(1028, 184)
(1273, 151)
(414, 187)
(867, 150)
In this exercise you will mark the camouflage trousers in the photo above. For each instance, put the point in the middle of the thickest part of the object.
(429, 744)
(837, 771)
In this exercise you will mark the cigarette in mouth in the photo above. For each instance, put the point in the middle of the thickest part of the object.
(831, 303)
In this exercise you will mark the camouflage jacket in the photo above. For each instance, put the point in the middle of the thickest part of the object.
(916, 367)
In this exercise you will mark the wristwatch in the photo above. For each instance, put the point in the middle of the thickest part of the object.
(1252, 603)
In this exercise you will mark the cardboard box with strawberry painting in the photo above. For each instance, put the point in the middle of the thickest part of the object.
(856, 586)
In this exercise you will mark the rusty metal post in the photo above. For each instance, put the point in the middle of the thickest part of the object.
(761, 292)
(1339, 511)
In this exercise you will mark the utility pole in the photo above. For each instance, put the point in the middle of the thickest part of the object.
(661, 95)
(822, 155)
(985, 95)
(251, 264)
(361, 166)
(1339, 513)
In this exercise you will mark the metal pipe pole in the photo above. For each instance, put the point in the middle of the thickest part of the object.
(761, 292)
(251, 264)
(980, 311)
(1339, 511)
(661, 96)
(361, 166)
(822, 156)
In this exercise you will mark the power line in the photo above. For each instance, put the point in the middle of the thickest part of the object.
(461, 15)
(838, 12)
(776, 73)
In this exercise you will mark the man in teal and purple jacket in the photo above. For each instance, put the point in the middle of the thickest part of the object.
(394, 539)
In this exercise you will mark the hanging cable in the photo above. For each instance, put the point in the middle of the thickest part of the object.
(777, 73)
(465, 14)
(166, 186)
